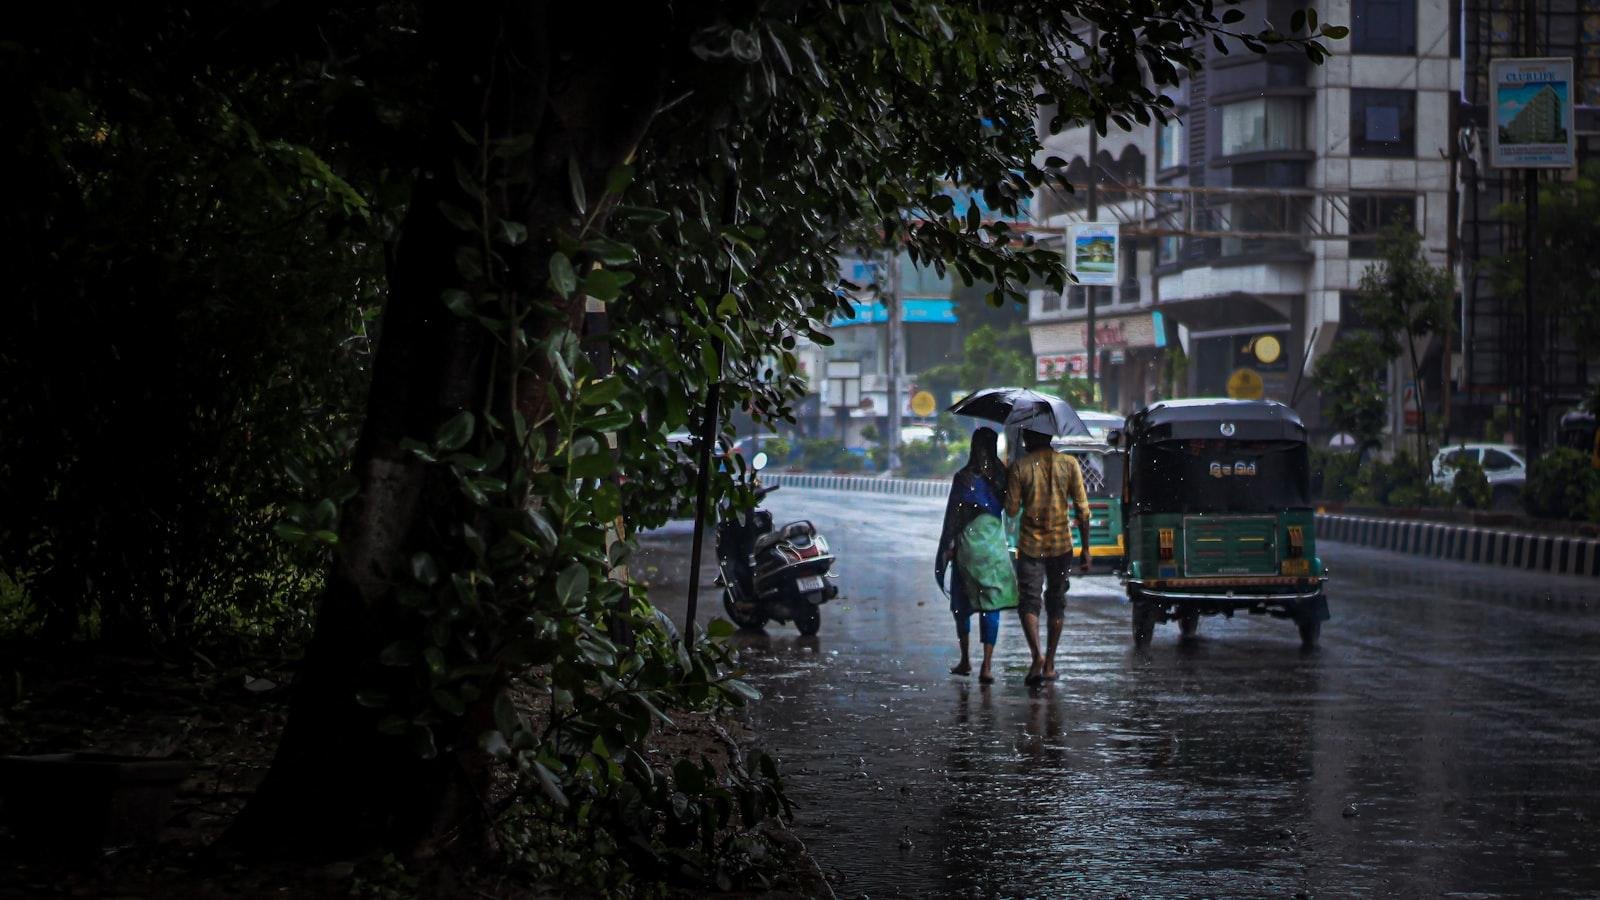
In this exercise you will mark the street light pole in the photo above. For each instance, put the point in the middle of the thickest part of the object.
(1532, 427)
(891, 303)
(1088, 290)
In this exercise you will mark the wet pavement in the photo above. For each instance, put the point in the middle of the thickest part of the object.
(1443, 741)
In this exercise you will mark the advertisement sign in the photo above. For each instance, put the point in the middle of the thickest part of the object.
(1051, 366)
(1532, 107)
(1092, 253)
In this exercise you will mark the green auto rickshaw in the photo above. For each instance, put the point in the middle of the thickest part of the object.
(1217, 516)
(1102, 466)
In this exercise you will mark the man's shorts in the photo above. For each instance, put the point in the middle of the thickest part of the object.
(1047, 574)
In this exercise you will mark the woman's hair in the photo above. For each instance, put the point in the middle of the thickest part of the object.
(985, 457)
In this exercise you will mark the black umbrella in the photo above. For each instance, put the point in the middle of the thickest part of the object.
(1023, 408)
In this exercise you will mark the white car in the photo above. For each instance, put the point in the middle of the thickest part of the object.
(1503, 465)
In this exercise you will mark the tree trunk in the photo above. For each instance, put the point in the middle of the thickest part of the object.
(337, 785)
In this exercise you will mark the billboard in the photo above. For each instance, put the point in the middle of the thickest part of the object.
(1092, 253)
(1532, 108)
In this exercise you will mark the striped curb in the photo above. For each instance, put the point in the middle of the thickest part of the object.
(911, 487)
(1553, 553)
(1556, 554)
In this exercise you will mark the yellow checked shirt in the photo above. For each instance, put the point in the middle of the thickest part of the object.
(1045, 486)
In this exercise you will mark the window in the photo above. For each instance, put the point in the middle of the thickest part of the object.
(1256, 126)
(1166, 249)
(1383, 122)
(1371, 213)
(1383, 26)
(1496, 461)
(1170, 151)
(1075, 297)
(1455, 458)
(1049, 302)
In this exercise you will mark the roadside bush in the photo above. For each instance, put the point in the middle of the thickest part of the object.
(1562, 485)
(829, 455)
(1471, 485)
(1335, 474)
(927, 459)
(1398, 483)
(778, 450)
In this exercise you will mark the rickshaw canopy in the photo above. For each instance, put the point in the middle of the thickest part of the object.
(1214, 419)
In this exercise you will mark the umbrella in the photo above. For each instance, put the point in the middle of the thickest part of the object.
(1023, 408)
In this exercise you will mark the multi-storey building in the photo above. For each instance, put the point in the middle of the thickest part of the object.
(1251, 216)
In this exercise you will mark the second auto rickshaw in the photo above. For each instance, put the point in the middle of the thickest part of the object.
(1217, 516)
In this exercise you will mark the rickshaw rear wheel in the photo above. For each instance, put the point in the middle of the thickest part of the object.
(1310, 629)
(1144, 623)
(1188, 623)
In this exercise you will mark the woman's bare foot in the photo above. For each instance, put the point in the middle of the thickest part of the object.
(962, 668)
(1048, 674)
(985, 678)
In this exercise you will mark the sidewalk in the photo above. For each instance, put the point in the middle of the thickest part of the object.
(1483, 544)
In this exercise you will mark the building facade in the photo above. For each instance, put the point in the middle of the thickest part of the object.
(1250, 218)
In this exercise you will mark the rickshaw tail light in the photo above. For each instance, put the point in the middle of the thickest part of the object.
(1297, 541)
(1165, 541)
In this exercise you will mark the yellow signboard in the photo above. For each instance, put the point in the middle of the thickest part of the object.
(1245, 384)
(922, 403)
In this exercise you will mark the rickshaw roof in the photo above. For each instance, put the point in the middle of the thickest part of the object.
(1214, 418)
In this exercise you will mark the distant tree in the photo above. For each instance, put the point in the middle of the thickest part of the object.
(1349, 378)
(1403, 301)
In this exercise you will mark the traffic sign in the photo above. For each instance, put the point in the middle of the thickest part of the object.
(1245, 384)
(922, 403)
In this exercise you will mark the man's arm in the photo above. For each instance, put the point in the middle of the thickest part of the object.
(1080, 506)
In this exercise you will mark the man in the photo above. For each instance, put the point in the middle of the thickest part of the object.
(1041, 485)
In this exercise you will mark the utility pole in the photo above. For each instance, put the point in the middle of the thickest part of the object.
(891, 303)
(1093, 214)
(1532, 425)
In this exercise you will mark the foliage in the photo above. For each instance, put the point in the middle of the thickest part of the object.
(828, 455)
(778, 450)
(927, 459)
(1176, 380)
(217, 204)
(1403, 300)
(1335, 474)
(1077, 391)
(1568, 268)
(1349, 378)
(1470, 485)
(193, 285)
(1562, 484)
(1398, 483)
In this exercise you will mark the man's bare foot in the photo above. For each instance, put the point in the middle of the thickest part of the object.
(962, 668)
(1035, 675)
(985, 678)
(1049, 673)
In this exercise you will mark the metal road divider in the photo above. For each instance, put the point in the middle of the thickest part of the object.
(1554, 553)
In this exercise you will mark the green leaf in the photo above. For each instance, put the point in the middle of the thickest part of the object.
(742, 688)
(1297, 20)
(459, 217)
(424, 569)
(644, 214)
(619, 179)
(728, 306)
(1335, 32)
(1231, 16)
(434, 657)
(572, 584)
(719, 628)
(505, 713)
(398, 653)
(458, 302)
(605, 284)
(289, 532)
(607, 502)
(372, 699)
(454, 434)
(541, 527)
(562, 279)
(611, 253)
(494, 744)
(513, 233)
(599, 393)
(449, 702)
(651, 707)
(550, 784)
(469, 263)
(688, 777)
(575, 181)
(422, 742)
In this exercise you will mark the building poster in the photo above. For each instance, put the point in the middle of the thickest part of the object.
(1093, 250)
(1532, 113)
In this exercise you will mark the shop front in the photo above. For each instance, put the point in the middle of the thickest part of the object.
(1130, 347)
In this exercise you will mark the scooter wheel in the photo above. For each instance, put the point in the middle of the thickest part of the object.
(746, 618)
(809, 621)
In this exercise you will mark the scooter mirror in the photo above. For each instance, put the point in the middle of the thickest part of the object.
(759, 462)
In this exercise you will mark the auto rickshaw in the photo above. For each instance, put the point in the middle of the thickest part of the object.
(1217, 516)
(1102, 466)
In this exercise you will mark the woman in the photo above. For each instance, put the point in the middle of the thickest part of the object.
(974, 541)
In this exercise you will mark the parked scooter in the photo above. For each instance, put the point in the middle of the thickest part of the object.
(783, 574)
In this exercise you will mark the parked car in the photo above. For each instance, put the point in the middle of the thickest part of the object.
(1503, 465)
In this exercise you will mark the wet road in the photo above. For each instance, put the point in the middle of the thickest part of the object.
(1443, 741)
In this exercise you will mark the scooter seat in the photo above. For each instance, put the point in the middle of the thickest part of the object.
(789, 532)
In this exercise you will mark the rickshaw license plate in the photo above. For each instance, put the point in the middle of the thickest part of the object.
(809, 583)
(1297, 567)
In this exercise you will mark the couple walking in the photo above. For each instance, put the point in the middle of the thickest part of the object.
(1044, 489)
